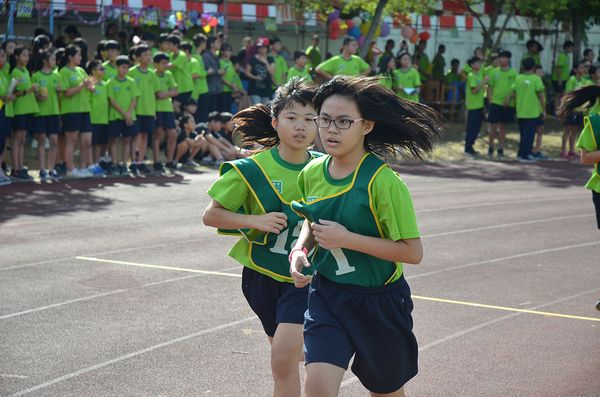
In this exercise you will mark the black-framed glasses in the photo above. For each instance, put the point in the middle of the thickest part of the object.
(342, 124)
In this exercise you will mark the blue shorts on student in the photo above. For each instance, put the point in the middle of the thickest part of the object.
(574, 119)
(183, 97)
(46, 125)
(273, 301)
(501, 114)
(165, 120)
(556, 88)
(146, 124)
(339, 315)
(22, 122)
(77, 122)
(118, 128)
(99, 134)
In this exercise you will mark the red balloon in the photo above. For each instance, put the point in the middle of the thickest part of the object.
(334, 34)
(408, 32)
(424, 36)
(349, 23)
(414, 39)
(213, 22)
(335, 24)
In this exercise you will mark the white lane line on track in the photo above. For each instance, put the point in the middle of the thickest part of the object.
(130, 355)
(37, 309)
(505, 258)
(496, 203)
(478, 229)
(353, 379)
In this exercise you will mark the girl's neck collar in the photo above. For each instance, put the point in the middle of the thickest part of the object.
(46, 70)
(292, 155)
(341, 167)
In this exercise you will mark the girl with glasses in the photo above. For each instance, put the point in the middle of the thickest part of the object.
(252, 199)
(361, 221)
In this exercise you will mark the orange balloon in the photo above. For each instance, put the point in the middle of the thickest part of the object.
(414, 39)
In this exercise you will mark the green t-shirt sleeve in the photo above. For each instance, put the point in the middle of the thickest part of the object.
(135, 91)
(394, 207)
(472, 81)
(417, 78)
(328, 66)
(586, 139)
(109, 89)
(570, 84)
(230, 191)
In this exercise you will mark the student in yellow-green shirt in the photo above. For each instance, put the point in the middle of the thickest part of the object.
(406, 82)
(231, 79)
(541, 128)
(499, 115)
(561, 72)
(299, 69)
(113, 49)
(165, 117)
(200, 85)
(46, 123)
(99, 117)
(388, 67)
(573, 121)
(281, 67)
(6, 99)
(475, 88)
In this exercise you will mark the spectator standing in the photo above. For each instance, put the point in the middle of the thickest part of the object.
(200, 85)
(403, 48)
(346, 63)
(532, 52)
(314, 54)
(213, 78)
(501, 112)
(406, 79)
(281, 67)
(112, 48)
(389, 46)
(439, 63)
(299, 69)
(259, 70)
(180, 67)
(424, 63)
(241, 56)
(165, 117)
(561, 73)
(475, 88)
(99, 117)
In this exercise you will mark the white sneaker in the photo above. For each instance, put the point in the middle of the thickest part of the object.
(76, 173)
(47, 143)
(87, 172)
(34, 144)
(4, 180)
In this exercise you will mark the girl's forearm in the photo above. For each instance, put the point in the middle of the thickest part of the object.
(409, 250)
(590, 157)
(219, 217)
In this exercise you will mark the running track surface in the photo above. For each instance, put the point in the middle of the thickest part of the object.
(113, 287)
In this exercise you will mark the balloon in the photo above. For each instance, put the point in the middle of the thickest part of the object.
(178, 15)
(163, 25)
(377, 32)
(354, 32)
(334, 34)
(213, 22)
(335, 24)
(424, 36)
(414, 39)
(357, 21)
(206, 16)
(206, 28)
(199, 22)
(408, 32)
(334, 15)
(385, 29)
(364, 28)
(349, 23)
(361, 40)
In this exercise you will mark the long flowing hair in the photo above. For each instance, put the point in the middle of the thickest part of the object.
(582, 98)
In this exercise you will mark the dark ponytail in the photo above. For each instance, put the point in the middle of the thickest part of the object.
(582, 98)
(13, 57)
(70, 50)
(254, 123)
(37, 49)
(44, 56)
(401, 127)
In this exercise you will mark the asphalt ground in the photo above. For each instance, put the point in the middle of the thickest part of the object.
(114, 287)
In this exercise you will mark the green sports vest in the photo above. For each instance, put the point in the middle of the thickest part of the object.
(353, 208)
(594, 121)
(268, 252)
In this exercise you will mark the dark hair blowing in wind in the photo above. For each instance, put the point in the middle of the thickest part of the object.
(401, 127)
(254, 123)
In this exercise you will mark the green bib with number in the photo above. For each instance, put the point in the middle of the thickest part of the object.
(594, 121)
(268, 252)
(353, 208)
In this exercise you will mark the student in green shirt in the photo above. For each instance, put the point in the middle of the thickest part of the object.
(99, 117)
(528, 89)
(180, 67)
(561, 73)
(24, 107)
(541, 129)
(281, 67)
(437, 73)
(475, 88)
(113, 49)
(532, 52)
(165, 118)
(231, 80)
(75, 110)
(406, 78)
(388, 66)
(574, 121)
(46, 123)
(464, 72)
(123, 94)
(422, 61)
(200, 85)
(6, 100)
(145, 109)
(499, 87)
(314, 54)
(299, 69)
(346, 63)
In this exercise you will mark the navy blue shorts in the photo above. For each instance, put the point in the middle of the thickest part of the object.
(118, 128)
(556, 88)
(165, 120)
(575, 119)
(273, 301)
(99, 134)
(8, 130)
(146, 124)
(183, 97)
(596, 200)
(378, 319)
(500, 114)
(77, 122)
(22, 122)
(46, 125)
(541, 121)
